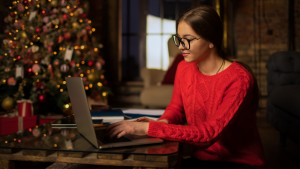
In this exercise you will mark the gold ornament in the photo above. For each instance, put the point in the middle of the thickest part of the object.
(75, 25)
(23, 35)
(8, 103)
(54, 3)
(91, 77)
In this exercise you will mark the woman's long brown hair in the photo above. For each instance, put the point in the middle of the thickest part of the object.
(206, 22)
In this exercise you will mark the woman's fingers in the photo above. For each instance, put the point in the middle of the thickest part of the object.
(122, 133)
(144, 119)
(115, 131)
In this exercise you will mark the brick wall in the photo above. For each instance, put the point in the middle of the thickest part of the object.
(261, 29)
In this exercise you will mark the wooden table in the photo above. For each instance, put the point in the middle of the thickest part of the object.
(50, 145)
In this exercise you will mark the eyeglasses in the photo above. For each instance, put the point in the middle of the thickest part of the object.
(184, 41)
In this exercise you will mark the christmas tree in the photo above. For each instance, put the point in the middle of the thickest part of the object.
(44, 42)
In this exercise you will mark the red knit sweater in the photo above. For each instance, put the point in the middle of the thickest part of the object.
(219, 112)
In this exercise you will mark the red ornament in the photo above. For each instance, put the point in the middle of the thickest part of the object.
(90, 63)
(88, 28)
(44, 12)
(17, 57)
(105, 82)
(72, 63)
(28, 72)
(67, 36)
(12, 14)
(37, 30)
(65, 17)
(60, 39)
(42, 98)
(84, 15)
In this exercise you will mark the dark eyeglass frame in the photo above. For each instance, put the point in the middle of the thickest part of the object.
(180, 41)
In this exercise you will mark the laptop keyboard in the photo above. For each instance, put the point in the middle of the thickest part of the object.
(100, 134)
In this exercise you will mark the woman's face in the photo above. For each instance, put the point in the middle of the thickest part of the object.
(199, 49)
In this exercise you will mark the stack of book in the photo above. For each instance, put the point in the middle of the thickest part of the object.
(107, 116)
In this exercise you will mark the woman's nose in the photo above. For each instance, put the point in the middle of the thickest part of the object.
(180, 47)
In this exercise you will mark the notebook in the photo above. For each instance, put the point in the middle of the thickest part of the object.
(84, 122)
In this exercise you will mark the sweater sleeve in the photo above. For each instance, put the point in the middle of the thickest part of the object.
(206, 133)
(174, 112)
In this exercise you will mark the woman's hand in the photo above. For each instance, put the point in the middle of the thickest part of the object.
(127, 127)
(145, 119)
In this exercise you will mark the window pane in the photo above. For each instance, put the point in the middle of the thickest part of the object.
(169, 26)
(134, 16)
(165, 51)
(153, 24)
(153, 53)
(124, 16)
(169, 9)
(154, 7)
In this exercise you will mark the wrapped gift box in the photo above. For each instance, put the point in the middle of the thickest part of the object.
(25, 108)
(9, 125)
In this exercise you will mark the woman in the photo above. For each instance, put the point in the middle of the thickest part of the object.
(217, 96)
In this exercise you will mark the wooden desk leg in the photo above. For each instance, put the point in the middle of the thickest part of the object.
(6, 164)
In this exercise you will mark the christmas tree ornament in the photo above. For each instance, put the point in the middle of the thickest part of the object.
(23, 35)
(67, 36)
(54, 11)
(11, 81)
(20, 7)
(91, 63)
(54, 3)
(7, 103)
(98, 65)
(63, 2)
(65, 10)
(19, 71)
(46, 19)
(3, 81)
(45, 29)
(91, 77)
(12, 14)
(83, 31)
(64, 68)
(69, 53)
(28, 72)
(34, 49)
(72, 63)
(75, 25)
(42, 98)
(60, 39)
(80, 10)
(36, 68)
(56, 62)
(55, 21)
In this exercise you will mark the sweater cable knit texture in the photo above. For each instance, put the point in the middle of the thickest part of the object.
(219, 111)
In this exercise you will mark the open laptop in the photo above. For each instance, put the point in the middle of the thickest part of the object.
(85, 125)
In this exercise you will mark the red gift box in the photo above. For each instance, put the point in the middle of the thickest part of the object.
(25, 108)
(9, 125)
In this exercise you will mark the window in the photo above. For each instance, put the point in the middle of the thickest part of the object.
(159, 25)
